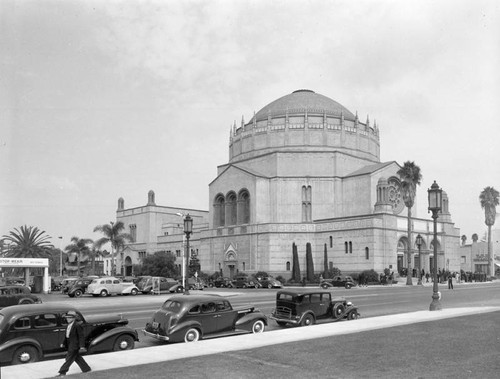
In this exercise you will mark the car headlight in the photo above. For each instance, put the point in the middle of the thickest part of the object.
(349, 303)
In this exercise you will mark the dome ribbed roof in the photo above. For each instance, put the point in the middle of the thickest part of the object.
(301, 101)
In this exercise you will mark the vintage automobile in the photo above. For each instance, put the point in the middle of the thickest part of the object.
(14, 295)
(79, 286)
(305, 307)
(338, 281)
(29, 333)
(111, 286)
(189, 318)
(221, 283)
(66, 283)
(245, 282)
(159, 283)
(269, 282)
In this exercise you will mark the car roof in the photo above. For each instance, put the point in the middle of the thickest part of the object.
(300, 292)
(191, 299)
(8, 312)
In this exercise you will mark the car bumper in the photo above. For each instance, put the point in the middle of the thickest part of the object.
(155, 335)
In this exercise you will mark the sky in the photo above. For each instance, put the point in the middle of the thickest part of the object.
(107, 99)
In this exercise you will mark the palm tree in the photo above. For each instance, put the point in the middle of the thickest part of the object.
(489, 199)
(80, 246)
(114, 235)
(28, 242)
(410, 177)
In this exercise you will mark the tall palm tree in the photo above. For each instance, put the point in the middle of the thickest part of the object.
(81, 247)
(489, 199)
(410, 177)
(28, 242)
(113, 234)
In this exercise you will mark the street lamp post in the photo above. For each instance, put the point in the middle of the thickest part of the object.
(435, 203)
(419, 242)
(188, 229)
(60, 256)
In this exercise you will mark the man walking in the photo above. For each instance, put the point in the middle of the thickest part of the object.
(74, 342)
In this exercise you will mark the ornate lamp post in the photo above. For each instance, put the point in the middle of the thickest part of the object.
(419, 241)
(188, 229)
(60, 256)
(435, 203)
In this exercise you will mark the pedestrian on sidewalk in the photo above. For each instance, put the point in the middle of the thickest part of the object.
(75, 343)
(450, 282)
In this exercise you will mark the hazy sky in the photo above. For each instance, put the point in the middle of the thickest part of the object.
(108, 99)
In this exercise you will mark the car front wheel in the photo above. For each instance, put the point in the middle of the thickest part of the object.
(78, 293)
(192, 335)
(353, 315)
(25, 354)
(348, 286)
(124, 342)
(133, 292)
(258, 326)
(324, 286)
(307, 320)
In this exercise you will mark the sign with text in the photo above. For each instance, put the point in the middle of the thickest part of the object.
(24, 262)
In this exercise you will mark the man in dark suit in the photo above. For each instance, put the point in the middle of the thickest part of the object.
(74, 342)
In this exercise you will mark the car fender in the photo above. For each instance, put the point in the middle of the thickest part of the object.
(111, 334)
(175, 288)
(305, 314)
(249, 318)
(10, 346)
(178, 330)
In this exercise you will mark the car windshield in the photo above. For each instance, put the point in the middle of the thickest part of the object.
(172, 306)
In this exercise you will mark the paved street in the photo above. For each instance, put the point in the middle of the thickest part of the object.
(276, 340)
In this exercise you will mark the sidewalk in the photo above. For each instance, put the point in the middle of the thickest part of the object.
(107, 361)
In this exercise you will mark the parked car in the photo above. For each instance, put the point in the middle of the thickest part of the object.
(221, 283)
(111, 286)
(29, 333)
(338, 281)
(66, 283)
(245, 282)
(189, 318)
(269, 282)
(145, 285)
(305, 307)
(79, 287)
(14, 295)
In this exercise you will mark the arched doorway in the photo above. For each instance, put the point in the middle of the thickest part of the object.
(128, 266)
(401, 252)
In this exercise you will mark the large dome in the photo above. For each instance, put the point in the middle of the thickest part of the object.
(301, 101)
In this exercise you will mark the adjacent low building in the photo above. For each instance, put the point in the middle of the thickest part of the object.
(306, 171)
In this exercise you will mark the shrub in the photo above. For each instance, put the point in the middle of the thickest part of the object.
(334, 271)
(281, 279)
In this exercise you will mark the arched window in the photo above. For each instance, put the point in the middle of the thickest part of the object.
(306, 204)
(331, 241)
(244, 207)
(231, 208)
(350, 247)
(346, 247)
(219, 211)
(367, 253)
(288, 266)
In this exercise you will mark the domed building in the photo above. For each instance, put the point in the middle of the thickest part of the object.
(303, 172)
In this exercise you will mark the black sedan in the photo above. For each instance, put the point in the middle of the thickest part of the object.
(31, 332)
(189, 318)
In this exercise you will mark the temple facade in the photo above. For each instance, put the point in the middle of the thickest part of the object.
(306, 171)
